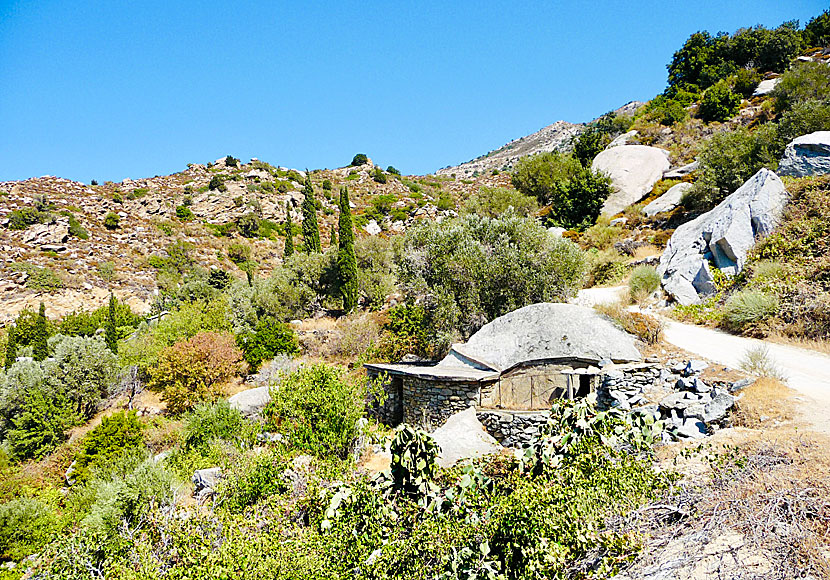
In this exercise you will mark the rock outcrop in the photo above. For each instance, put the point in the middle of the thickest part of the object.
(668, 201)
(807, 155)
(765, 87)
(722, 237)
(463, 437)
(633, 169)
(556, 137)
(251, 402)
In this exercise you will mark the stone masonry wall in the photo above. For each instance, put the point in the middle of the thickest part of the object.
(513, 428)
(429, 403)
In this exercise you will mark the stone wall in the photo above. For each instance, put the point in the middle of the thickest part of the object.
(513, 428)
(430, 403)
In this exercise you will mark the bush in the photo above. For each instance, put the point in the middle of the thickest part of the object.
(575, 193)
(117, 434)
(248, 225)
(327, 185)
(665, 110)
(805, 81)
(255, 478)
(801, 119)
(727, 160)
(719, 103)
(357, 335)
(217, 182)
(605, 267)
(472, 269)
(359, 159)
(231, 161)
(216, 421)
(392, 170)
(184, 213)
(270, 339)
(376, 271)
(112, 221)
(745, 81)
(83, 369)
(26, 526)
(239, 253)
(20, 219)
(41, 279)
(749, 307)
(495, 201)
(817, 30)
(196, 370)
(643, 282)
(318, 408)
(379, 176)
(87, 323)
(76, 229)
(39, 422)
(601, 235)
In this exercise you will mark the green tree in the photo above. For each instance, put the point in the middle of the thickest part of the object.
(11, 347)
(40, 346)
(111, 331)
(817, 30)
(333, 240)
(269, 339)
(588, 145)
(359, 159)
(289, 232)
(346, 258)
(574, 193)
(311, 231)
(719, 103)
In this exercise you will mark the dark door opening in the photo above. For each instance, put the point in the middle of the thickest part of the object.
(584, 386)
(397, 409)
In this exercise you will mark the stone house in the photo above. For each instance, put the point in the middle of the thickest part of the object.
(520, 362)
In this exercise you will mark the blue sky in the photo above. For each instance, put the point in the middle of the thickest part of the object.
(113, 89)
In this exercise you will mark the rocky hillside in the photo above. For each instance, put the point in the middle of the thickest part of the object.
(551, 138)
(54, 239)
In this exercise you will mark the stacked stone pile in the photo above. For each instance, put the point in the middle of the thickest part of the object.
(675, 393)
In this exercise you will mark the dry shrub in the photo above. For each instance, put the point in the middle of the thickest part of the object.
(645, 327)
(196, 369)
(355, 335)
(766, 398)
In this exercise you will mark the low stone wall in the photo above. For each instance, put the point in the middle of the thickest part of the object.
(513, 428)
(429, 404)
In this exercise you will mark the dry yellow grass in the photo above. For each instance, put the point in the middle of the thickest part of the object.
(763, 402)
(822, 346)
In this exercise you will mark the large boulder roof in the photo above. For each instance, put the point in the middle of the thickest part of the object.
(543, 332)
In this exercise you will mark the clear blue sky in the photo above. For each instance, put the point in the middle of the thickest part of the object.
(115, 89)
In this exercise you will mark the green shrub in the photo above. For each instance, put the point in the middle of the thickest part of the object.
(444, 202)
(20, 219)
(601, 235)
(643, 282)
(605, 267)
(359, 159)
(404, 332)
(255, 478)
(799, 119)
(494, 201)
(665, 110)
(574, 193)
(39, 424)
(327, 185)
(216, 421)
(231, 161)
(589, 144)
(87, 322)
(392, 170)
(727, 160)
(745, 81)
(217, 183)
(76, 229)
(376, 270)
(112, 221)
(239, 252)
(749, 307)
(817, 30)
(414, 461)
(117, 434)
(803, 82)
(472, 269)
(248, 225)
(184, 213)
(719, 103)
(26, 526)
(318, 408)
(379, 176)
(41, 279)
(269, 339)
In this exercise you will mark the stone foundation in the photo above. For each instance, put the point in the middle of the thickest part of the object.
(513, 428)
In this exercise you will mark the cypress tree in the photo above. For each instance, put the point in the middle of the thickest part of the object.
(40, 346)
(311, 231)
(11, 347)
(111, 336)
(333, 241)
(289, 232)
(346, 258)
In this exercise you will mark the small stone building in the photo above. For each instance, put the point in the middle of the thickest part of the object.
(522, 361)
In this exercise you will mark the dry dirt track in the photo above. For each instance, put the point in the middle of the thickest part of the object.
(806, 371)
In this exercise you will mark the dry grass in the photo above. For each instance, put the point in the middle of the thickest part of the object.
(754, 505)
(646, 251)
(324, 323)
(822, 346)
(764, 401)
